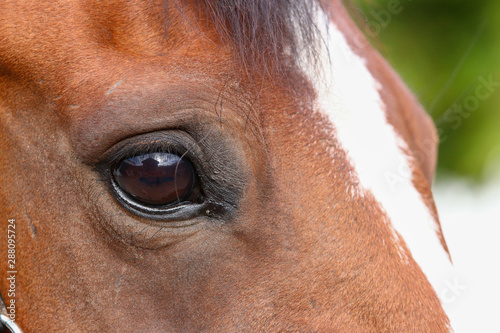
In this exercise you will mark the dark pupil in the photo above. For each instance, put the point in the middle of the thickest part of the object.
(156, 178)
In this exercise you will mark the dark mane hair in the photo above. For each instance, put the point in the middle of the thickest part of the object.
(263, 32)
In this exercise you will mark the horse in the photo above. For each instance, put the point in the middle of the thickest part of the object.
(211, 166)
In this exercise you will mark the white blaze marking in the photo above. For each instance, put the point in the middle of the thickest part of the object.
(349, 95)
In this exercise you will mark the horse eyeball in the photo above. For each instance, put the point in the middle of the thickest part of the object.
(155, 178)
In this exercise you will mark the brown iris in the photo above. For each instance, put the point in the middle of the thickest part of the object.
(156, 178)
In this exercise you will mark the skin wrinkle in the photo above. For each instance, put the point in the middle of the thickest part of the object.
(302, 251)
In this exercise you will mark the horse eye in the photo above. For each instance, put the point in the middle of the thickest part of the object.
(156, 178)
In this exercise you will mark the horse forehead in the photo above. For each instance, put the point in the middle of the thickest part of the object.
(99, 61)
(72, 44)
(350, 97)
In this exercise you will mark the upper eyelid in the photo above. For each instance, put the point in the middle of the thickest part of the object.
(140, 149)
(161, 141)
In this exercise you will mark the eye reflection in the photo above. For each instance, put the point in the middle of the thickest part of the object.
(156, 178)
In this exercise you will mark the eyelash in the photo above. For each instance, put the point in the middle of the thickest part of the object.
(172, 143)
(213, 200)
(135, 149)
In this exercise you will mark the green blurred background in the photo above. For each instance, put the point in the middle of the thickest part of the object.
(445, 50)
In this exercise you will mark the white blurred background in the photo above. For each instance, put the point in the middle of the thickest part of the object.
(470, 217)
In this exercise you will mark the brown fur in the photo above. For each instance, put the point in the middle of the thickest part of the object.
(297, 254)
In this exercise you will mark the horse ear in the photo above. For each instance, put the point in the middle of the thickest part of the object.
(409, 118)
(424, 137)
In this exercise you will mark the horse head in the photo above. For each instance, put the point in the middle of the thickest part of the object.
(220, 166)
